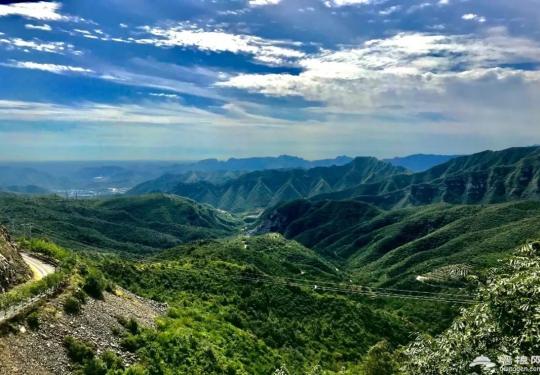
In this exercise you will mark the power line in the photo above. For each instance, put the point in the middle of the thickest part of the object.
(357, 286)
(320, 285)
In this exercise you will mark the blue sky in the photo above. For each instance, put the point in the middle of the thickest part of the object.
(191, 79)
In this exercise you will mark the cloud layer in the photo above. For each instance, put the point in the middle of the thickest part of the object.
(231, 78)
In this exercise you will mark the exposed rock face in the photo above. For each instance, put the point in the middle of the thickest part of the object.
(13, 270)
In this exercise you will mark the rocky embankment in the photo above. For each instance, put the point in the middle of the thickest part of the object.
(41, 351)
(13, 269)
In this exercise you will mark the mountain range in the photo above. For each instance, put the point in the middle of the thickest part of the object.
(108, 177)
(485, 177)
(344, 265)
(260, 189)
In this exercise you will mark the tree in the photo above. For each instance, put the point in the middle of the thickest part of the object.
(379, 360)
(505, 323)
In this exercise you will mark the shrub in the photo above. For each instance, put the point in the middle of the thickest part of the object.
(131, 325)
(80, 295)
(111, 360)
(136, 370)
(95, 366)
(45, 247)
(33, 320)
(379, 360)
(78, 350)
(72, 306)
(94, 285)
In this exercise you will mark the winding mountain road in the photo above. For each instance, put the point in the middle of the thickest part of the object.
(39, 268)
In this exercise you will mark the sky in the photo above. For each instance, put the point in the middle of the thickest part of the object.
(193, 79)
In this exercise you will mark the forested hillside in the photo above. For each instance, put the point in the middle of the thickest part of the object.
(131, 224)
(258, 190)
(486, 177)
(233, 310)
(393, 247)
(343, 289)
(502, 327)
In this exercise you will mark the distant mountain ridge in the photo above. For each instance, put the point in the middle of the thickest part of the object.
(257, 164)
(420, 162)
(485, 177)
(100, 177)
(258, 190)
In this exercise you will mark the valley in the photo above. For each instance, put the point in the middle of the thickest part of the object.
(318, 279)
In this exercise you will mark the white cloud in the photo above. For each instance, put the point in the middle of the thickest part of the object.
(398, 69)
(390, 10)
(164, 95)
(123, 25)
(146, 113)
(341, 3)
(43, 27)
(473, 17)
(255, 3)
(443, 2)
(37, 45)
(42, 10)
(51, 68)
(271, 52)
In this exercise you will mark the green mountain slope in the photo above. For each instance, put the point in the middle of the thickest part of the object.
(231, 314)
(133, 224)
(486, 177)
(257, 190)
(389, 248)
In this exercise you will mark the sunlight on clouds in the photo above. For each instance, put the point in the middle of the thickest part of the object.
(37, 45)
(272, 52)
(403, 63)
(473, 17)
(146, 113)
(37, 10)
(263, 2)
(341, 3)
(43, 27)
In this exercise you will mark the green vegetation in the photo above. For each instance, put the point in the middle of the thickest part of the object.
(94, 284)
(231, 312)
(78, 350)
(486, 177)
(310, 301)
(72, 305)
(33, 320)
(128, 224)
(258, 190)
(504, 323)
(25, 291)
(393, 247)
